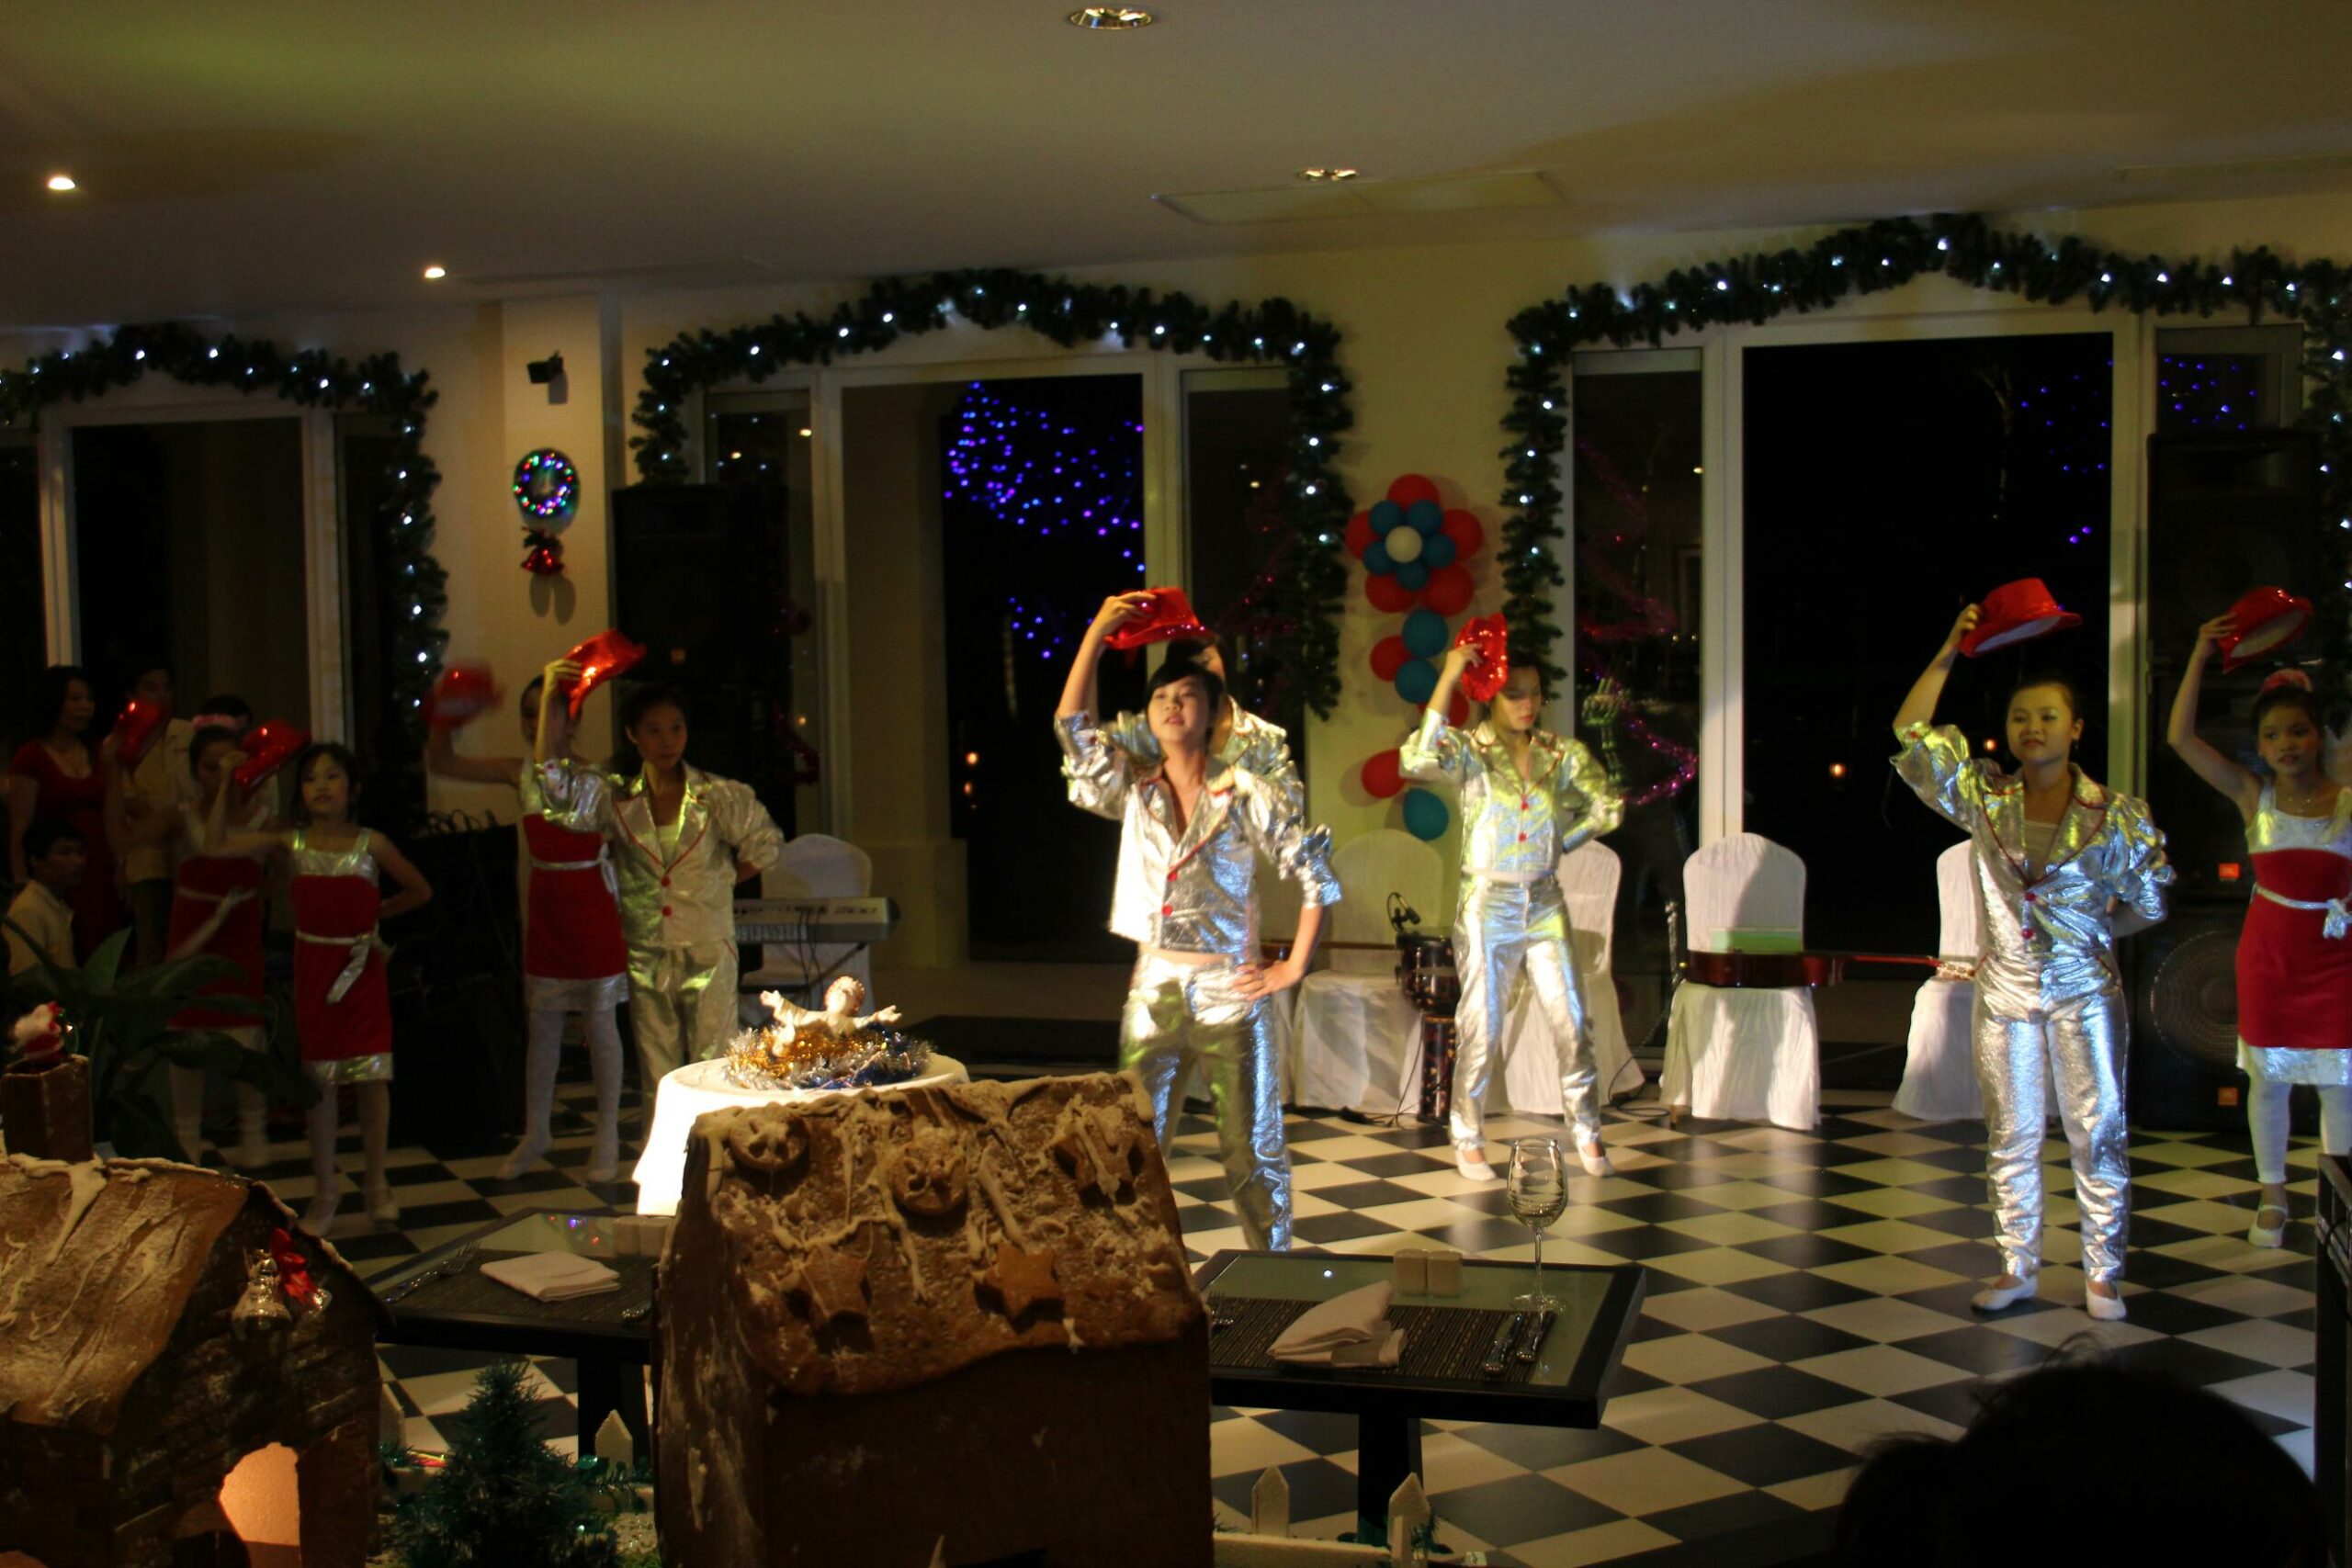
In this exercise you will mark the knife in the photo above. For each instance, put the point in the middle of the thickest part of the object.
(1499, 1354)
(1534, 1344)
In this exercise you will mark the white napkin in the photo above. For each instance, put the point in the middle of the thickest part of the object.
(552, 1276)
(1349, 1330)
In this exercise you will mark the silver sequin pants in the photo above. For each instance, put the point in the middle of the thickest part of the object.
(1502, 930)
(681, 1007)
(1177, 1014)
(2077, 1050)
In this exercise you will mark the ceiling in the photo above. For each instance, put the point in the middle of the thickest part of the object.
(240, 155)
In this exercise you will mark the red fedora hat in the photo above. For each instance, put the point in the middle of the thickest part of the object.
(1165, 618)
(2268, 620)
(2017, 612)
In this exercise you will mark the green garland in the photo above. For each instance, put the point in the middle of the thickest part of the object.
(1295, 602)
(1872, 259)
(414, 582)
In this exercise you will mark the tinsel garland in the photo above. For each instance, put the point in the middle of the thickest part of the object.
(1871, 259)
(1293, 608)
(413, 582)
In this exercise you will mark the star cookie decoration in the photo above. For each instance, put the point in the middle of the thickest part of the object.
(834, 1284)
(1023, 1279)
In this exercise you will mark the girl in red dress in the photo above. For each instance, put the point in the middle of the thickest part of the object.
(2295, 953)
(216, 909)
(574, 959)
(58, 776)
(343, 1015)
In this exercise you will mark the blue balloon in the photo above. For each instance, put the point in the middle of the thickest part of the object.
(1387, 515)
(1426, 517)
(1416, 681)
(1412, 575)
(1425, 815)
(1375, 557)
(1425, 633)
(1437, 551)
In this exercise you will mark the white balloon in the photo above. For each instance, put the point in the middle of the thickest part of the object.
(1403, 544)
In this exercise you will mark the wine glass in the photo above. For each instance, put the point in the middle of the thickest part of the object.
(1539, 1195)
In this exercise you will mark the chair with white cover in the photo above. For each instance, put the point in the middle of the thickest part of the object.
(814, 866)
(1939, 1066)
(1529, 1079)
(1744, 1054)
(1359, 1039)
(1279, 902)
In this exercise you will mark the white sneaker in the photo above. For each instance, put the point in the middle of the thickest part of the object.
(1471, 1161)
(2103, 1309)
(1997, 1297)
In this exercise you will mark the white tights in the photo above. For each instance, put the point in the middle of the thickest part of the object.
(545, 1054)
(2265, 1118)
(325, 1120)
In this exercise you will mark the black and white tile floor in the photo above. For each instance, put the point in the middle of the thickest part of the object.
(1808, 1293)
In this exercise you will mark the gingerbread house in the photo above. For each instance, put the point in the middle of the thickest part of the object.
(948, 1324)
(161, 1323)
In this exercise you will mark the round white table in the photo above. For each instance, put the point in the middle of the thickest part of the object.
(699, 1087)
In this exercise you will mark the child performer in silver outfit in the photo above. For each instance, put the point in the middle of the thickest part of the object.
(682, 839)
(2055, 856)
(1240, 737)
(1193, 828)
(1527, 797)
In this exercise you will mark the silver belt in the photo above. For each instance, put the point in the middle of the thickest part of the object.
(538, 864)
(1513, 878)
(2338, 922)
(353, 967)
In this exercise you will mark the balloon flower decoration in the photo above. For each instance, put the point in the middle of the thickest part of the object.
(601, 658)
(547, 489)
(1413, 549)
(462, 695)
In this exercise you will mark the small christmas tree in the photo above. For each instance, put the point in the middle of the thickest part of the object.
(503, 1497)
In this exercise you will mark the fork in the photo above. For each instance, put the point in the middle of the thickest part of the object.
(455, 1263)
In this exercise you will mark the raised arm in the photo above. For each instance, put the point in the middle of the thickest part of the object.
(1077, 691)
(202, 936)
(415, 891)
(1920, 703)
(1434, 749)
(2240, 784)
(219, 838)
(441, 758)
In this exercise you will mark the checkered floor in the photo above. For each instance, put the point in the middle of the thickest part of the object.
(1808, 1293)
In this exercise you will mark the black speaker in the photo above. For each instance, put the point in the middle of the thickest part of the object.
(456, 991)
(2183, 983)
(699, 579)
(2227, 511)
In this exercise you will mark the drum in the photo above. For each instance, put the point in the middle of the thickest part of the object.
(1426, 974)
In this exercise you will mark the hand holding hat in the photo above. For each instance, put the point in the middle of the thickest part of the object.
(2263, 621)
(462, 695)
(267, 745)
(2014, 612)
(1166, 615)
(1488, 638)
(137, 729)
(602, 657)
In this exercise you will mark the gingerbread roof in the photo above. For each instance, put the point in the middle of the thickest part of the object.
(98, 1261)
(884, 1240)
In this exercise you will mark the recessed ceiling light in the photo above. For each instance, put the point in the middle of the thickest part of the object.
(434, 273)
(1327, 174)
(61, 182)
(1111, 19)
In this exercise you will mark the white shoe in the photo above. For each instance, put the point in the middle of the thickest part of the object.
(1997, 1297)
(605, 1163)
(253, 1152)
(2103, 1309)
(381, 1208)
(319, 1218)
(527, 1153)
(1471, 1161)
(1596, 1160)
(2258, 1236)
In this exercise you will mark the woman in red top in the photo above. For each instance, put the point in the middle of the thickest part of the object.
(573, 958)
(58, 776)
(2294, 966)
(217, 911)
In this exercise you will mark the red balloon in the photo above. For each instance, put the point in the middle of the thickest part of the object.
(1380, 776)
(1388, 656)
(1410, 488)
(1449, 590)
(1359, 533)
(1458, 711)
(1469, 535)
(1391, 597)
